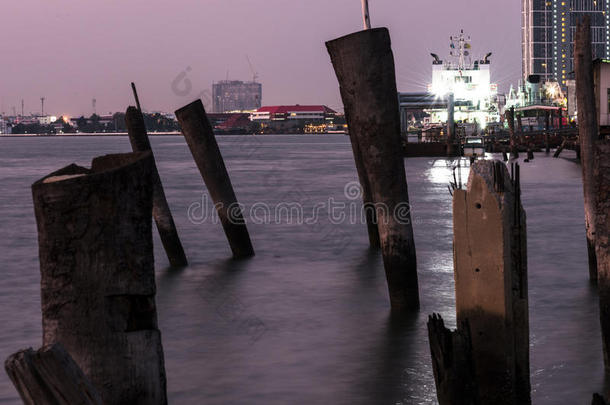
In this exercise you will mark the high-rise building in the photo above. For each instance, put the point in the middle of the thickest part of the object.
(547, 31)
(235, 95)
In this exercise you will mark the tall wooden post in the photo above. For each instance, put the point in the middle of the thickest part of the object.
(364, 65)
(200, 138)
(97, 274)
(367, 199)
(490, 262)
(588, 130)
(601, 176)
(134, 120)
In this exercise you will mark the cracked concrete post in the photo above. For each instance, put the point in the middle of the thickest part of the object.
(490, 262)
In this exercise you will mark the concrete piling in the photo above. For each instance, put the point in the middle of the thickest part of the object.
(200, 138)
(491, 281)
(97, 274)
(588, 130)
(162, 214)
(364, 65)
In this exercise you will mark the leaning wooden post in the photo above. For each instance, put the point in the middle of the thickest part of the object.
(452, 363)
(97, 274)
(490, 260)
(49, 376)
(588, 130)
(134, 120)
(364, 65)
(200, 138)
(601, 187)
(367, 199)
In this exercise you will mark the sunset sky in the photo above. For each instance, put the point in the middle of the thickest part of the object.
(71, 51)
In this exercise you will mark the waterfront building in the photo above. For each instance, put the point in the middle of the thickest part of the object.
(547, 30)
(235, 95)
(293, 118)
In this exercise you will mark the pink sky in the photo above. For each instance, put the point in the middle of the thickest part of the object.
(71, 51)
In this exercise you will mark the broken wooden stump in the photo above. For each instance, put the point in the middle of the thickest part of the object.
(364, 65)
(49, 376)
(134, 120)
(588, 130)
(601, 189)
(200, 138)
(491, 280)
(452, 363)
(97, 274)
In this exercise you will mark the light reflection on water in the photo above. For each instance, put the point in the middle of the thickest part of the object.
(317, 289)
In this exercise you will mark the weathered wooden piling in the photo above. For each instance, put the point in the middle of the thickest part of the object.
(588, 130)
(97, 274)
(49, 376)
(367, 199)
(491, 281)
(200, 138)
(601, 188)
(452, 363)
(364, 65)
(134, 120)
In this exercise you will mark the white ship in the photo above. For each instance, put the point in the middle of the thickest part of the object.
(469, 80)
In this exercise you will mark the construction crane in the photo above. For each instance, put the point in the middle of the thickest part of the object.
(254, 74)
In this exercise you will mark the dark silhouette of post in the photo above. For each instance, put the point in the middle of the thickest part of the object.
(97, 274)
(134, 120)
(364, 65)
(49, 376)
(588, 130)
(200, 138)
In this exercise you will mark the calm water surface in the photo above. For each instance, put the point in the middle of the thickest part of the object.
(306, 320)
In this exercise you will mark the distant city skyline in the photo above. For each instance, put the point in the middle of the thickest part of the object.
(71, 52)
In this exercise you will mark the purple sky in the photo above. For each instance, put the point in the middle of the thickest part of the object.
(71, 51)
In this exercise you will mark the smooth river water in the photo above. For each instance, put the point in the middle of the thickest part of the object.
(306, 321)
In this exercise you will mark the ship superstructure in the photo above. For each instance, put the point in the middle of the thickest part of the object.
(469, 80)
